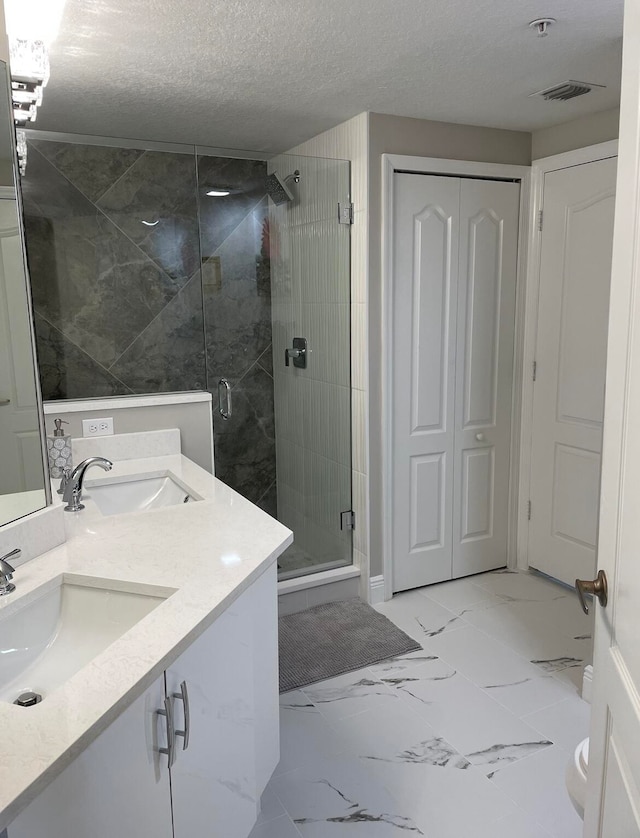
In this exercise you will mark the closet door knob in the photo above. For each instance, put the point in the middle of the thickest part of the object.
(480, 437)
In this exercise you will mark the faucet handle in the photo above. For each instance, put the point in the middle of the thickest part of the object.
(7, 571)
(66, 476)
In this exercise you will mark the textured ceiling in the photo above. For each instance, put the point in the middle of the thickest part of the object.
(267, 74)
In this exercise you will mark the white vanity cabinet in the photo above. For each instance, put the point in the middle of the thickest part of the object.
(227, 716)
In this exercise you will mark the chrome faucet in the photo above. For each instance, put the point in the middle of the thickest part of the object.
(73, 490)
(7, 571)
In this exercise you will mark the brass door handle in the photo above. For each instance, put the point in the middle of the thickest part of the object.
(596, 587)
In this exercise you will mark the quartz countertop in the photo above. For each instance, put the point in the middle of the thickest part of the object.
(207, 551)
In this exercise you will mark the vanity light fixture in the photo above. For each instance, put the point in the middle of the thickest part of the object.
(32, 25)
(218, 193)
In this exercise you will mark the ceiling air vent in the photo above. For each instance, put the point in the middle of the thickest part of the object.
(566, 90)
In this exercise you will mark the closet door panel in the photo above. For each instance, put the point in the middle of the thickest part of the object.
(484, 373)
(424, 305)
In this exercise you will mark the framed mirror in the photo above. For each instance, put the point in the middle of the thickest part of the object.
(24, 476)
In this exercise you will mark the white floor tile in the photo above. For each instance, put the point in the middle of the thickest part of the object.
(519, 585)
(340, 797)
(419, 616)
(270, 806)
(566, 723)
(448, 742)
(537, 785)
(479, 728)
(458, 594)
(349, 694)
(304, 733)
(281, 827)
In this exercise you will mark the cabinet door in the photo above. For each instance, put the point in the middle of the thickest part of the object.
(118, 786)
(264, 612)
(213, 781)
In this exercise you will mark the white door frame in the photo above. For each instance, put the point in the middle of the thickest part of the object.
(454, 168)
(539, 168)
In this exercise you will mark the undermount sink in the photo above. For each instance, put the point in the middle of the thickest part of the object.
(49, 638)
(137, 493)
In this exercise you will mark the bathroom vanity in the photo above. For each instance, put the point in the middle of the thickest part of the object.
(172, 728)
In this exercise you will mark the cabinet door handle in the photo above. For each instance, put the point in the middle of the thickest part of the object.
(183, 695)
(170, 750)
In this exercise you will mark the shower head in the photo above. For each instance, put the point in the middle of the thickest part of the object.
(278, 190)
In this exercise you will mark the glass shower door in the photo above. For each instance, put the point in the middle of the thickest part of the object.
(310, 308)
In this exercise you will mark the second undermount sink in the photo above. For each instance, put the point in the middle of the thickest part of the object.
(46, 640)
(137, 493)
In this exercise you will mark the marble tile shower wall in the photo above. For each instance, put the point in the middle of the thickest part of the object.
(142, 284)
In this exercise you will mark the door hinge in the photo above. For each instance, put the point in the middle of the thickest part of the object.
(540, 221)
(348, 520)
(535, 370)
(345, 213)
(529, 511)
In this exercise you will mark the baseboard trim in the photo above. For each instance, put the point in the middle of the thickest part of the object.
(587, 683)
(376, 590)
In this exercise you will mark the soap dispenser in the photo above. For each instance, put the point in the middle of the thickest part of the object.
(59, 449)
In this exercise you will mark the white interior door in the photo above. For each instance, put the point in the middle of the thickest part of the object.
(484, 373)
(22, 456)
(613, 792)
(454, 278)
(425, 273)
(571, 350)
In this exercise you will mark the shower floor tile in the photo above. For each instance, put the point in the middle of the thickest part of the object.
(469, 737)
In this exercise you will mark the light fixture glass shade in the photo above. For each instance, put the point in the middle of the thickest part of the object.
(21, 145)
(29, 60)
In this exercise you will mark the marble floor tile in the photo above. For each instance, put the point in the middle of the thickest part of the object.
(281, 827)
(567, 723)
(270, 806)
(304, 733)
(340, 797)
(487, 735)
(419, 616)
(346, 695)
(519, 586)
(458, 594)
(537, 785)
(466, 737)
(444, 801)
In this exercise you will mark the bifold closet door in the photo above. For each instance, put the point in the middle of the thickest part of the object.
(484, 373)
(454, 274)
(425, 275)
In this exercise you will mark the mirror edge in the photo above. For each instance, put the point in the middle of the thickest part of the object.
(32, 332)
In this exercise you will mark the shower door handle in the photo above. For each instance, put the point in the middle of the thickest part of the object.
(224, 398)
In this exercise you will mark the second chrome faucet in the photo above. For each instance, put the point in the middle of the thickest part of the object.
(73, 489)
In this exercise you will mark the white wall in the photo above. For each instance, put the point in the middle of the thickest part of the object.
(349, 141)
(578, 133)
(189, 412)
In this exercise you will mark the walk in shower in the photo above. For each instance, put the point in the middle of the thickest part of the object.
(172, 269)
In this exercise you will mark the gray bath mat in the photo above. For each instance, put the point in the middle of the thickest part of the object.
(337, 637)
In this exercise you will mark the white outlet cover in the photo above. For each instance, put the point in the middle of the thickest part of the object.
(97, 427)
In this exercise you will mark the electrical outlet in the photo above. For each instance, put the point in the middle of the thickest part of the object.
(97, 427)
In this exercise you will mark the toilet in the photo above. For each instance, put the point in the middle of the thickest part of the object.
(576, 776)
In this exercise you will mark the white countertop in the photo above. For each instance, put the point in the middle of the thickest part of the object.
(208, 551)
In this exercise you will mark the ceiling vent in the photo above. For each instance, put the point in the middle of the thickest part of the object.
(566, 90)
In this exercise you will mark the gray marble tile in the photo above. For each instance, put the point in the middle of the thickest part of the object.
(47, 194)
(237, 307)
(169, 354)
(91, 168)
(245, 444)
(93, 284)
(219, 217)
(266, 360)
(67, 372)
(154, 204)
(269, 500)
